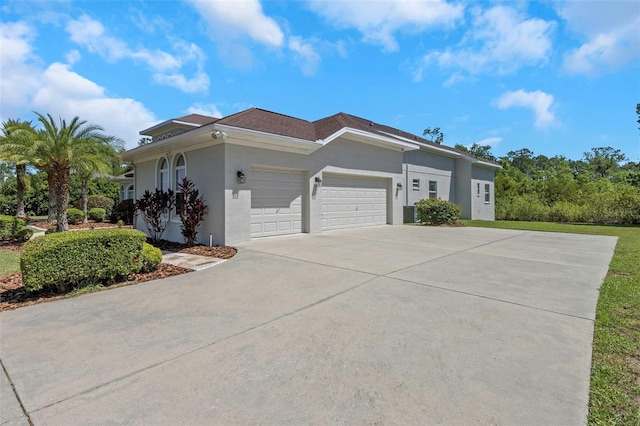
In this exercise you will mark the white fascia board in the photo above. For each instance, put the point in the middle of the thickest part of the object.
(441, 151)
(146, 132)
(481, 162)
(173, 143)
(367, 137)
(259, 139)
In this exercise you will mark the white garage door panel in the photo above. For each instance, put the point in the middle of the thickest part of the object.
(276, 203)
(349, 202)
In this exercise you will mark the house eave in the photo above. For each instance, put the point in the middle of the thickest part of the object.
(371, 139)
(150, 130)
(172, 144)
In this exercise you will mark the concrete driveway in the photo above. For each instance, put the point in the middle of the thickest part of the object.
(391, 324)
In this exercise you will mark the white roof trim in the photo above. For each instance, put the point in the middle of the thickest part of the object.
(423, 145)
(405, 146)
(164, 123)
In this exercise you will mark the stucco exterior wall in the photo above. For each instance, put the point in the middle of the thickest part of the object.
(341, 156)
(428, 166)
(480, 209)
(205, 167)
(463, 187)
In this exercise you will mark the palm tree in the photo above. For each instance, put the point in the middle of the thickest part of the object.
(59, 148)
(100, 162)
(15, 145)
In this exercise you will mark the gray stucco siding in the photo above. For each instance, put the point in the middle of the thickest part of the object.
(482, 210)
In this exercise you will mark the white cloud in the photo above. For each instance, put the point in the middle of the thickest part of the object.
(17, 68)
(612, 33)
(167, 68)
(539, 102)
(67, 94)
(306, 54)
(379, 21)
(501, 40)
(239, 19)
(204, 109)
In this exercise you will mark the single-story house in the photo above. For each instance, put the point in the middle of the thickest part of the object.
(265, 174)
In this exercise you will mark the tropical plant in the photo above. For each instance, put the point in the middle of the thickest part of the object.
(15, 143)
(156, 208)
(192, 209)
(59, 148)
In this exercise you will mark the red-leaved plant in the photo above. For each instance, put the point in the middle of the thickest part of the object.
(156, 208)
(192, 208)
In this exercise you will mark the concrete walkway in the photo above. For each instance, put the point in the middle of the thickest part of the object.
(392, 324)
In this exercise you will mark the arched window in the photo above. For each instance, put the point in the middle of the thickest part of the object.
(130, 192)
(163, 175)
(180, 173)
(122, 193)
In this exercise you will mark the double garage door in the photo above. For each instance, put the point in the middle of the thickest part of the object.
(347, 202)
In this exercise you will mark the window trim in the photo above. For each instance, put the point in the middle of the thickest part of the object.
(130, 191)
(487, 193)
(176, 170)
(415, 184)
(160, 171)
(433, 193)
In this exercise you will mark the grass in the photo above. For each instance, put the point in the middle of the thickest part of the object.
(614, 397)
(9, 262)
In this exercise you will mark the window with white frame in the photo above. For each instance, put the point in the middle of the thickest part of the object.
(487, 193)
(129, 192)
(163, 175)
(180, 173)
(415, 184)
(433, 189)
(123, 193)
(478, 189)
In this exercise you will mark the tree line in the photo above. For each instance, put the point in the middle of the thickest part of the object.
(70, 156)
(601, 187)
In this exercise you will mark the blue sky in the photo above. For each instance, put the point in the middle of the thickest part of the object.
(557, 78)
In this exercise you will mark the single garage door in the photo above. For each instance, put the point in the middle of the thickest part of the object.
(276, 202)
(349, 202)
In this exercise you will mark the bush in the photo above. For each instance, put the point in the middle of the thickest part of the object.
(75, 216)
(13, 229)
(434, 211)
(73, 259)
(123, 211)
(150, 258)
(100, 202)
(98, 214)
(563, 211)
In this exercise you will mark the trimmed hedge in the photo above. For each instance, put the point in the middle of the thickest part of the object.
(13, 229)
(433, 211)
(97, 214)
(72, 259)
(75, 216)
(150, 258)
(101, 202)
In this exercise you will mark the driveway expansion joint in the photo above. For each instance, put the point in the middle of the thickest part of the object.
(15, 393)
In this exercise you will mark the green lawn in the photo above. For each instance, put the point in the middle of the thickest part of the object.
(615, 371)
(9, 262)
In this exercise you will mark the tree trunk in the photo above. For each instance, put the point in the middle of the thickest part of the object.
(62, 199)
(51, 180)
(85, 197)
(21, 171)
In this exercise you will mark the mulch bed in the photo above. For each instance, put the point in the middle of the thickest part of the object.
(13, 295)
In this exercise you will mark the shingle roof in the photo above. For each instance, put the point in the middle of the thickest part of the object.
(279, 124)
(271, 122)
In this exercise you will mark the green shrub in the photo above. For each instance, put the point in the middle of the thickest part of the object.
(150, 258)
(9, 226)
(24, 234)
(434, 211)
(123, 211)
(72, 259)
(98, 214)
(101, 202)
(523, 207)
(75, 216)
(51, 230)
(563, 211)
(13, 229)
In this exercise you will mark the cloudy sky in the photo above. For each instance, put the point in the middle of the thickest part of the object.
(555, 77)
